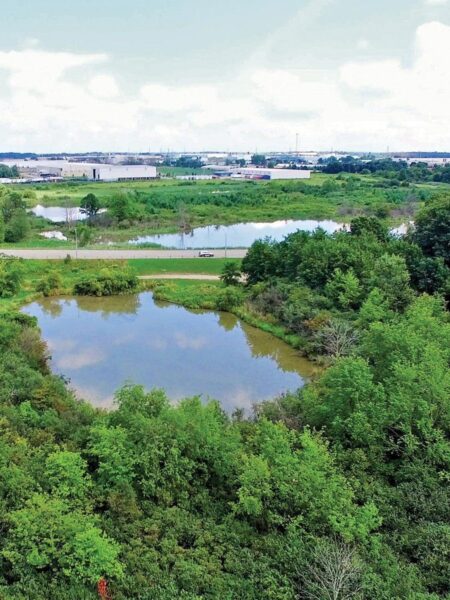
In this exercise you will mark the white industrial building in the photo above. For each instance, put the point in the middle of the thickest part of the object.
(93, 171)
(101, 172)
(48, 168)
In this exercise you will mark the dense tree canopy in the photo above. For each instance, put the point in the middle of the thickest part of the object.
(341, 488)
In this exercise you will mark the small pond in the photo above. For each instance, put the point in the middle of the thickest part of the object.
(61, 214)
(58, 214)
(241, 235)
(101, 343)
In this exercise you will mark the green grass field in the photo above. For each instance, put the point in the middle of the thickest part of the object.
(165, 205)
(205, 266)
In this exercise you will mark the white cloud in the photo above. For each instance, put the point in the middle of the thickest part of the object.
(60, 101)
(186, 342)
(103, 86)
(436, 2)
(80, 359)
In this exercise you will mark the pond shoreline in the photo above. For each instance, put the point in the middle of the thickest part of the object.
(100, 343)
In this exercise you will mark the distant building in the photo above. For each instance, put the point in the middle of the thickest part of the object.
(101, 172)
(266, 173)
(48, 168)
(94, 171)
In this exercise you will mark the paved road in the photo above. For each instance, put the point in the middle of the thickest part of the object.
(42, 253)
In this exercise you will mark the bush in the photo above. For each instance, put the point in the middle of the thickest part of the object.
(107, 283)
(231, 273)
(17, 228)
(10, 278)
(229, 298)
(50, 283)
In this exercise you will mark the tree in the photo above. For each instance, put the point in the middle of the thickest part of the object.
(122, 206)
(432, 229)
(260, 262)
(10, 277)
(333, 573)
(6, 171)
(259, 160)
(12, 202)
(48, 536)
(390, 275)
(90, 205)
(371, 225)
(66, 475)
(337, 338)
(231, 273)
(375, 308)
(17, 227)
(344, 289)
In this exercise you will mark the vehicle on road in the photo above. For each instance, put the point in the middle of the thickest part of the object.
(205, 254)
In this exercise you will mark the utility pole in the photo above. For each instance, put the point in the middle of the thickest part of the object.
(296, 143)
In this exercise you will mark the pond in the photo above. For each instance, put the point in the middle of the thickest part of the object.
(58, 214)
(241, 235)
(101, 343)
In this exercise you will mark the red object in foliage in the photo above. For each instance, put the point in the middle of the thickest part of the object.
(102, 588)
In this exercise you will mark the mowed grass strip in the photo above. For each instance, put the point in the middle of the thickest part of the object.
(197, 266)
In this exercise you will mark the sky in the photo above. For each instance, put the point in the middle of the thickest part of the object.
(240, 75)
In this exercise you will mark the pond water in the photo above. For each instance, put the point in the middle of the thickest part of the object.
(101, 343)
(58, 214)
(241, 235)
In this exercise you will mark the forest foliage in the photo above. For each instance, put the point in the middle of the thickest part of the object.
(341, 488)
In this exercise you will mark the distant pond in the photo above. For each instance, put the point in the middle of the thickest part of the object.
(241, 235)
(101, 343)
(58, 214)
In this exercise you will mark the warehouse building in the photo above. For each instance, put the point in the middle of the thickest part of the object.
(92, 171)
(101, 172)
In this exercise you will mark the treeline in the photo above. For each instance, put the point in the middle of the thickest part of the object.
(325, 287)
(8, 172)
(386, 167)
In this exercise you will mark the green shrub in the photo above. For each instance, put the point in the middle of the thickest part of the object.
(229, 298)
(17, 228)
(107, 282)
(49, 284)
(10, 277)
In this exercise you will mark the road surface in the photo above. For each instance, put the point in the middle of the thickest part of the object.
(57, 253)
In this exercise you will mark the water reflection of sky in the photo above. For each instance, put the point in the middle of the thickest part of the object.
(101, 343)
(58, 214)
(241, 235)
